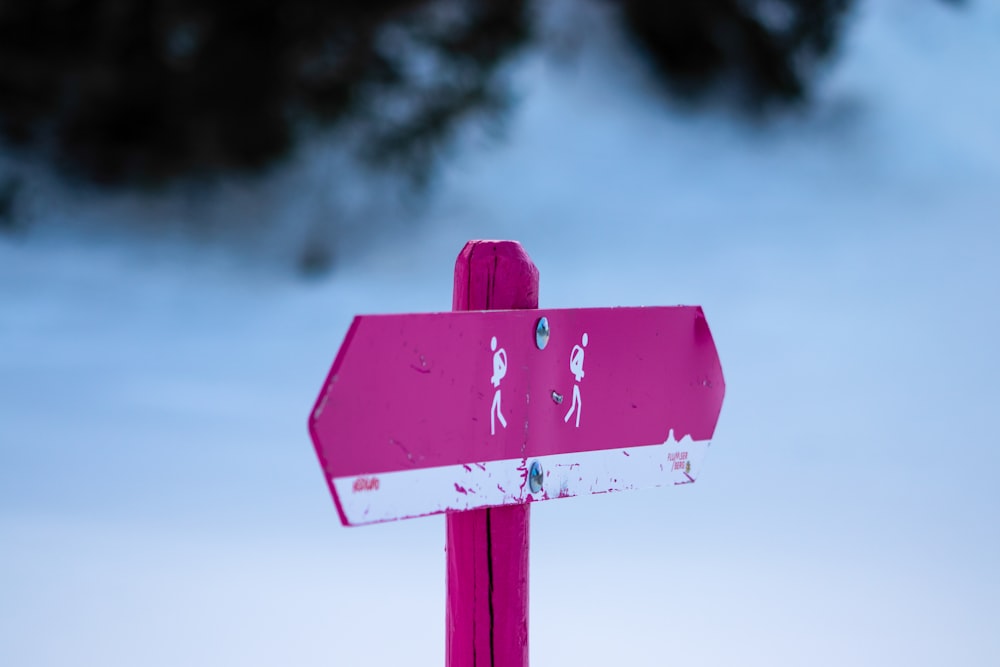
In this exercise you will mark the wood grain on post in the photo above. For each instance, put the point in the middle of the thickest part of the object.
(487, 606)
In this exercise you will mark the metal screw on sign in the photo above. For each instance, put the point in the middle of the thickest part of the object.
(440, 412)
(542, 333)
(535, 477)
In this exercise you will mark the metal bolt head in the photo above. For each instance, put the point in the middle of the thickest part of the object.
(535, 477)
(542, 333)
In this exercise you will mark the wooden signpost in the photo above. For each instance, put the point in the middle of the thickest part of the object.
(481, 411)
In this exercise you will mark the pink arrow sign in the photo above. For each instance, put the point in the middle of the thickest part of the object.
(435, 412)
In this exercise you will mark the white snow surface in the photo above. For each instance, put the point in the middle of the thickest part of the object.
(160, 501)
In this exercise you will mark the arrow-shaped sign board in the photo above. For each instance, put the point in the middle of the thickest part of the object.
(451, 411)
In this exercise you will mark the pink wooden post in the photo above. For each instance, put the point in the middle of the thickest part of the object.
(487, 613)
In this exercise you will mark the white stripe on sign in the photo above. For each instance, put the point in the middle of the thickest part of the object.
(410, 493)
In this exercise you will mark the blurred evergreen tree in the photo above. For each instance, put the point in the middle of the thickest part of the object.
(147, 90)
(766, 49)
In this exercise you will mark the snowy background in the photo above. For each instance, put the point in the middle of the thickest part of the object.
(160, 501)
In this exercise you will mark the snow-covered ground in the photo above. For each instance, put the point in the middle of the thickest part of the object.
(160, 503)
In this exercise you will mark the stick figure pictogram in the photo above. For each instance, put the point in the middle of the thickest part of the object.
(576, 368)
(499, 372)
